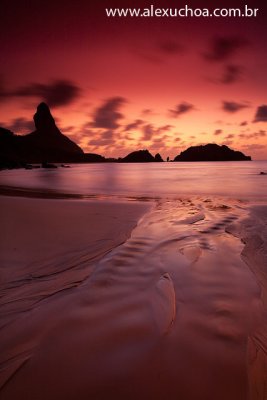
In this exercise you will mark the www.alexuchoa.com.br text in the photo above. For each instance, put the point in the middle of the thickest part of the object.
(183, 12)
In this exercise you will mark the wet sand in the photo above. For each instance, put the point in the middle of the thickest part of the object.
(96, 307)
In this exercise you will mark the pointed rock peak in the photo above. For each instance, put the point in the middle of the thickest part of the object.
(43, 118)
(43, 107)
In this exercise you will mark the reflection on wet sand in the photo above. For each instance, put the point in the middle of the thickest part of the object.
(173, 312)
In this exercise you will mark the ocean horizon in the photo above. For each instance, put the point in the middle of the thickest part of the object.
(239, 179)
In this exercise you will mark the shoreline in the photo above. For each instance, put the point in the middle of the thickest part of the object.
(13, 191)
(172, 290)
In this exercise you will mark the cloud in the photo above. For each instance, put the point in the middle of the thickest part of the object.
(232, 106)
(107, 116)
(68, 128)
(253, 147)
(56, 94)
(218, 132)
(149, 131)
(244, 123)
(159, 142)
(103, 139)
(20, 125)
(170, 47)
(128, 137)
(148, 111)
(164, 128)
(260, 134)
(261, 114)
(181, 108)
(230, 136)
(160, 51)
(133, 125)
(223, 48)
(231, 74)
(254, 135)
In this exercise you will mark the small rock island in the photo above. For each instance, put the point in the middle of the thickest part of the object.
(211, 152)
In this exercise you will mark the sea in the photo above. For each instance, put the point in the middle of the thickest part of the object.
(242, 180)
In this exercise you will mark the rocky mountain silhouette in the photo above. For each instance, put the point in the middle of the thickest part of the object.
(158, 158)
(138, 156)
(47, 141)
(45, 144)
(211, 152)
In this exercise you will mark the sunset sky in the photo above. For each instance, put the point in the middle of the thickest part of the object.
(115, 85)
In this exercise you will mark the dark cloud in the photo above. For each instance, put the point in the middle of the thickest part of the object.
(218, 132)
(254, 135)
(232, 106)
(107, 116)
(107, 135)
(244, 123)
(170, 47)
(253, 147)
(261, 114)
(100, 142)
(20, 125)
(69, 128)
(103, 139)
(230, 136)
(159, 142)
(147, 111)
(181, 108)
(128, 137)
(223, 48)
(160, 51)
(260, 134)
(231, 74)
(55, 94)
(134, 125)
(162, 139)
(152, 57)
(164, 128)
(149, 131)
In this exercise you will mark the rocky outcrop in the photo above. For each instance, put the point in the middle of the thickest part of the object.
(211, 152)
(138, 156)
(158, 158)
(45, 145)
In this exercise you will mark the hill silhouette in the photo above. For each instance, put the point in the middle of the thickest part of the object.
(47, 141)
(211, 152)
(138, 156)
(45, 144)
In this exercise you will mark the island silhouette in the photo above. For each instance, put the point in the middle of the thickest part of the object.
(47, 144)
(211, 152)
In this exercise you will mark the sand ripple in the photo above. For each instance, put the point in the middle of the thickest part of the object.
(173, 312)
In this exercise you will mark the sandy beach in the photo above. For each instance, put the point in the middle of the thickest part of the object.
(133, 200)
(128, 299)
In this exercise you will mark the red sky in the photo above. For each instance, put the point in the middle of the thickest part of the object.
(116, 85)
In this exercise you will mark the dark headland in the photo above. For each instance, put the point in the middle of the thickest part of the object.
(211, 152)
(47, 144)
(141, 156)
